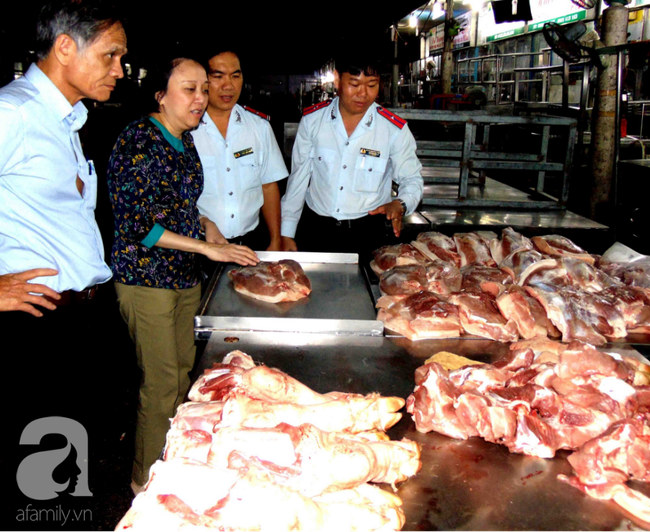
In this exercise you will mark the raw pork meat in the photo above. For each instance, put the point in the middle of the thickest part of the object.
(564, 272)
(436, 276)
(560, 246)
(528, 314)
(580, 315)
(481, 278)
(438, 246)
(273, 282)
(510, 242)
(388, 257)
(419, 316)
(182, 494)
(480, 316)
(603, 465)
(473, 249)
(517, 262)
(534, 404)
(305, 458)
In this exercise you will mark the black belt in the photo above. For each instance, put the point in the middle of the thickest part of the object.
(73, 297)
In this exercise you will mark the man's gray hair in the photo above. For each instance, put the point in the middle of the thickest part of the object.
(83, 21)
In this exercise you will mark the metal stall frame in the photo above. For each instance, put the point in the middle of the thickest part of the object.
(471, 154)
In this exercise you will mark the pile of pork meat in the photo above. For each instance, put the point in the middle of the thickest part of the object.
(547, 396)
(255, 449)
(509, 288)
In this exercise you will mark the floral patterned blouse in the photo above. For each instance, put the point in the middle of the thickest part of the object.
(154, 186)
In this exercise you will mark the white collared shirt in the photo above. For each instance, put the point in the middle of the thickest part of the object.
(235, 168)
(346, 177)
(44, 221)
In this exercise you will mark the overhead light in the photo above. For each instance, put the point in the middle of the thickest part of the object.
(437, 10)
(476, 5)
(413, 20)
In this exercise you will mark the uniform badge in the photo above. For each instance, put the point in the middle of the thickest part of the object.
(369, 152)
(243, 153)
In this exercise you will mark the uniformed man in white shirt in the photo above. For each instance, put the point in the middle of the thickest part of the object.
(347, 153)
(242, 162)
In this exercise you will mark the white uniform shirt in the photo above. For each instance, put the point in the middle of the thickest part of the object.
(235, 168)
(346, 177)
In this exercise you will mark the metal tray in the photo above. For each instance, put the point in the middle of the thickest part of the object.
(340, 301)
(463, 485)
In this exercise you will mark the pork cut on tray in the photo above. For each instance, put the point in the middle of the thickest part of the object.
(274, 282)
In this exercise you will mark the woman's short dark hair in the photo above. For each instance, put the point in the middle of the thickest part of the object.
(84, 21)
(157, 80)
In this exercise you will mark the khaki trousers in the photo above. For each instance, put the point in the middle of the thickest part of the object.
(161, 324)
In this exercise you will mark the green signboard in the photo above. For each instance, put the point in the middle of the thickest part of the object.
(566, 19)
(505, 34)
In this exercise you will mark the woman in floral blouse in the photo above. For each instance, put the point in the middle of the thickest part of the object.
(155, 179)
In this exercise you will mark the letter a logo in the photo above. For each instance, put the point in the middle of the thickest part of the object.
(44, 475)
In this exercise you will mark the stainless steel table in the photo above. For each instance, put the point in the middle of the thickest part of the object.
(463, 485)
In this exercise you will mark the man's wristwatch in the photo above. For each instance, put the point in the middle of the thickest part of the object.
(401, 202)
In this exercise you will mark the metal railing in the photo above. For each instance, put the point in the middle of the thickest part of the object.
(472, 71)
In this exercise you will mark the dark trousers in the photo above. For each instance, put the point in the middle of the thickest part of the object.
(326, 234)
(76, 363)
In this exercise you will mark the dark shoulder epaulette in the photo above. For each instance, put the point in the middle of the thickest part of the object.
(261, 115)
(316, 107)
(391, 117)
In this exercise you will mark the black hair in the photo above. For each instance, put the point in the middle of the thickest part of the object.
(84, 21)
(226, 43)
(357, 61)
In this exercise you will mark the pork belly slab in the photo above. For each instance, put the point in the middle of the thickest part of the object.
(273, 282)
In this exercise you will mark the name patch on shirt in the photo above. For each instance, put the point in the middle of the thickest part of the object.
(371, 153)
(243, 153)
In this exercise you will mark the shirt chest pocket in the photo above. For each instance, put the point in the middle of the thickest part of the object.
(324, 161)
(368, 173)
(248, 172)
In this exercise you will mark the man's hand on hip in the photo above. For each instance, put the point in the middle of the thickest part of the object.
(16, 293)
